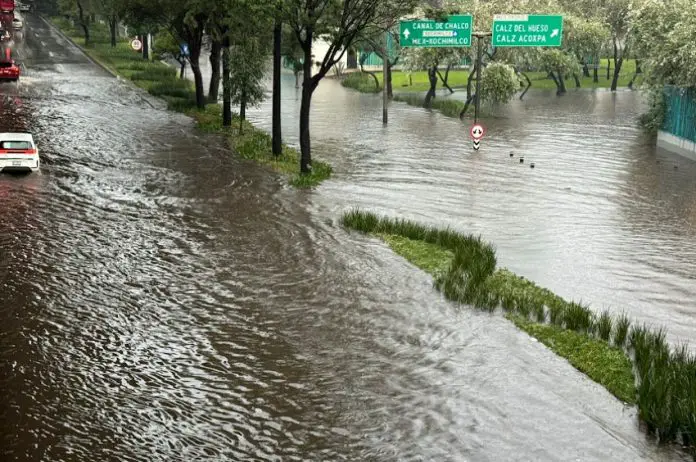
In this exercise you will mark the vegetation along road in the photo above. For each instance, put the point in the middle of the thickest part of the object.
(250, 260)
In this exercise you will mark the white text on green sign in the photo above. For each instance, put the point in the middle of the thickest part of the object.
(527, 30)
(455, 32)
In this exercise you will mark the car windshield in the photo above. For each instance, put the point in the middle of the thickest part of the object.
(15, 145)
(5, 64)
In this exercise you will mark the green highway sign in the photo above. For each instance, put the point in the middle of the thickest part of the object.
(455, 32)
(527, 30)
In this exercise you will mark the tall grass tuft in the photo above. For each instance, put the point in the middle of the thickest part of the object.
(604, 326)
(623, 324)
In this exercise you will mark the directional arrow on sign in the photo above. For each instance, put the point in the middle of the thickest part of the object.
(554, 32)
(406, 34)
(477, 144)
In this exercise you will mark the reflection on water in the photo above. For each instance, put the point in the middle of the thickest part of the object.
(166, 301)
(602, 217)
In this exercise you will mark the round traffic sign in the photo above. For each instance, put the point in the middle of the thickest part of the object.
(136, 44)
(477, 131)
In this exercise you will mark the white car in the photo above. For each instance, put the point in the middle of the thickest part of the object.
(18, 152)
(24, 7)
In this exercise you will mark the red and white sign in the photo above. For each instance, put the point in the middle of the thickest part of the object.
(477, 131)
(136, 44)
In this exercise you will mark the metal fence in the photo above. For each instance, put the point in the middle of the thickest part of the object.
(680, 114)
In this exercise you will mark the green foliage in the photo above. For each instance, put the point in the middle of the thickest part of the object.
(362, 82)
(666, 394)
(663, 34)
(447, 106)
(554, 60)
(499, 83)
(654, 118)
(248, 60)
(160, 80)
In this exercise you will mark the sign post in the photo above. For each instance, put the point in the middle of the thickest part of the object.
(425, 33)
(136, 44)
(527, 30)
(477, 132)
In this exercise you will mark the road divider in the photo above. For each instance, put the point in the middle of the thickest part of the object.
(634, 362)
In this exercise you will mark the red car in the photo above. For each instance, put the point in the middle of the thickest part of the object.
(9, 70)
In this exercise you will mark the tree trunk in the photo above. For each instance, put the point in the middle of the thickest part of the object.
(242, 111)
(595, 74)
(307, 90)
(198, 82)
(635, 74)
(617, 69)
(83, 22)
(555, 80)
(389, 80)
(277, 142)
(371, 74)
(639, 70)
(214, 88)
(113, 27)
(529, 84)
(470, 81)
(608, 68)
(226, 84)
(183, 68)
(585, 70)
(444, 79)
(195, 41)
(466, 106)
(432, 76)
(577, 81)
(146, 46)
(297, 79)
(561, 86)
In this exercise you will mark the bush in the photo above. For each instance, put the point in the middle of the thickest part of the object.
(361, 82)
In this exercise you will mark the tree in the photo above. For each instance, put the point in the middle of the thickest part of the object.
(113, 11)
(584, 38)
(499, 83)
(80, 11)
(292, 53)
(248, 59)
(339, 22)
(431, 59)
(558, 64)
(663, 35)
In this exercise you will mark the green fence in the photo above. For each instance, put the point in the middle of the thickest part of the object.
(373, 60)
(680, 114)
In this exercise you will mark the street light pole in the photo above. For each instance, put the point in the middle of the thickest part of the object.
(479, 60)
(385, 70)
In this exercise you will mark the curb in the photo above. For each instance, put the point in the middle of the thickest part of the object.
(98, 63)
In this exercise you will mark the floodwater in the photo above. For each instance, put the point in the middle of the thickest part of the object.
(165, 301)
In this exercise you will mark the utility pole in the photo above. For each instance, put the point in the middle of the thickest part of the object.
(385, 70)
(479, 64)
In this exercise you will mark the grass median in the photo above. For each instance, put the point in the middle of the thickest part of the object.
(417, 81)
(161, 80)
(633, 362)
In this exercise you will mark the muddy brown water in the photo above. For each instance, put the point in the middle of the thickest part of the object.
(164, 301)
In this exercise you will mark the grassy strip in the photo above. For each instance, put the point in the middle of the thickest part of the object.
(419, 82)
(599, 345)
(449, 107)
(161, 80)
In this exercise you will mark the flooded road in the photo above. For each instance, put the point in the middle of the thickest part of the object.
(164, 301)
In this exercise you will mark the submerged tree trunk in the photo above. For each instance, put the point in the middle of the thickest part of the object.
(226, 84)
(389, 85)
(635, 74)
(585, 70)
(529, 84)
(595, 74)
(608, 68)
(277, 144)
(214, 88)
(618, 62)
(432, 76)
(577, 81)
(561, 84)
(466, 106)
